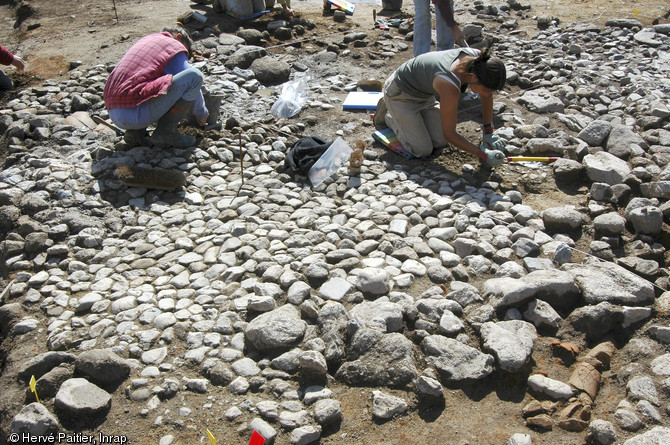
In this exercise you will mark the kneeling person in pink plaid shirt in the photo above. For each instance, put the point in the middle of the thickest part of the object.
(153, 82)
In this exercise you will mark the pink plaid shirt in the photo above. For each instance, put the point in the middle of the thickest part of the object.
(140, 74)
(6, 57)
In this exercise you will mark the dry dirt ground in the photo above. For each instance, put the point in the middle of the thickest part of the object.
(50, 36)
(57, 33)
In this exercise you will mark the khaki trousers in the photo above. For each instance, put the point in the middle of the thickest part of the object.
(416, 122)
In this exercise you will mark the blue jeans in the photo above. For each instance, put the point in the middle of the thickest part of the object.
(423, 29)
(5, 81)
(185, 85)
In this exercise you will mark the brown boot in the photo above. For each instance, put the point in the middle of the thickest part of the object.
(166, 133)
(379, 120)
(136, 138)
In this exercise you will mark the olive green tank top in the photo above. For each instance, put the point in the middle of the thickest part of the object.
(415, 77)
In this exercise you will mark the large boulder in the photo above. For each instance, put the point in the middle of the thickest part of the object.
(511, 342)
(556, 287)
(656, 189)
(47, 386)
(541, 101)
(456, 361)
(332, 322)
(605, 167)
(250, 36)
(230, 40)
(594, 321)
(375, 281)
(35, 420)
(9, 315)
(604, 281)
(568, 170)
(562, 219)
(270, 71)
(649, 36)
(624, 23)
(646, 220)
(595, 133)
(379, 314)
(43, 363)
(656, 435)
(81, 398)
(102, 366)
(277, 330)
(244, 57)
(376, 359)
(622, 141)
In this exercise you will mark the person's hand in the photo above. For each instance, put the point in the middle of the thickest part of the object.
(202, 122)
(459, 37)
(493, 142)
(18, 63)
(493, 157)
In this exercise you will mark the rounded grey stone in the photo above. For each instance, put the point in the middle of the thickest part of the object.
(34, 419)
(102, 365)
(327, 412)
(602, 432)
(78, 397)
(277, 330)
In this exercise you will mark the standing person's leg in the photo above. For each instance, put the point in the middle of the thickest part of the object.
(405, 118)
(422, 27)
(444, 36)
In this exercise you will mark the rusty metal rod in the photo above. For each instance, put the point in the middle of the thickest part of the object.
(115, 12)
(241, 159)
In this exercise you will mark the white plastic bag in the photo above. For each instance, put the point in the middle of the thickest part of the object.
(330, 161)
(293, 97)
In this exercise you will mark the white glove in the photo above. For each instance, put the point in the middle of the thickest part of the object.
(493, 142)
(494, 157)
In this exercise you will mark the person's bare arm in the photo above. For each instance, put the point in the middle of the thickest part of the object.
(449, 95)
(487, 107)
(447, 13)
(459, 37)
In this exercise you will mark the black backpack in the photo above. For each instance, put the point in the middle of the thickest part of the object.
(304, 153)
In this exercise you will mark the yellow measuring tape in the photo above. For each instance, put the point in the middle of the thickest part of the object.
(532, 158)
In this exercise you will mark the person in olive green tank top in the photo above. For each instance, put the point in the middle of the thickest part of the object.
(420, 102)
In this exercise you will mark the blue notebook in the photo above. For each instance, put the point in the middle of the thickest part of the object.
(362, 100)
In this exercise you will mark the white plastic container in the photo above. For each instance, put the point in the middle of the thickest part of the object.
(330, 161)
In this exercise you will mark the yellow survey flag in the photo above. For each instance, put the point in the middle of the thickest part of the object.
(32, 387)
(636, 12)
(211, 437)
